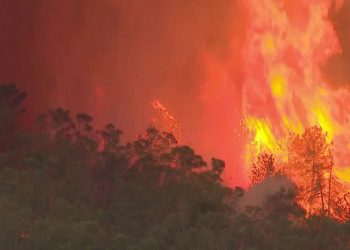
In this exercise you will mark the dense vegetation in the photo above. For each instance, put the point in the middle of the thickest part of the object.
(66, 185)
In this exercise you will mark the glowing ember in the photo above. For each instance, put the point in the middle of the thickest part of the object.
(164, 121)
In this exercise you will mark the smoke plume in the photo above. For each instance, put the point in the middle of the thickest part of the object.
(257, 195)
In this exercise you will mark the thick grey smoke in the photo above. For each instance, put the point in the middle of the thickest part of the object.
(257, 195)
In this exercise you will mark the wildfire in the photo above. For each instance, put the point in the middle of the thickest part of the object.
(284, 91)
(273, 83)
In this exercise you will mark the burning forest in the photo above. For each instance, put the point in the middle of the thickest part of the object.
(227, 124)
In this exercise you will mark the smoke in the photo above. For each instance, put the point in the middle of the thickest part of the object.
(337, 68)
(257, 195)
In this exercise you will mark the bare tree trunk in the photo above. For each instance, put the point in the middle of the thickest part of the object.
(321, 189)
(312, 184)
(330, 186)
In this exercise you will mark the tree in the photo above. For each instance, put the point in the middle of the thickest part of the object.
(262, 169)
(71, 186)
(310, 166)
(11, 100)
(217, 168)
(341, 209)
(185, 158)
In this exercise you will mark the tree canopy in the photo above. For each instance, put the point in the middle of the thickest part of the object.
(66, 185)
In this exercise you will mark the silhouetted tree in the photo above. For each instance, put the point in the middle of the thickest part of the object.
(311, 165)
(71, 186)
(11, 100)
(262, 169)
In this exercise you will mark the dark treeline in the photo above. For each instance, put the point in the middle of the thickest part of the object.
(67, 185)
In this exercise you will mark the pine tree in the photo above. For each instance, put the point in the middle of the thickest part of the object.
(262, 169)
(311, 167)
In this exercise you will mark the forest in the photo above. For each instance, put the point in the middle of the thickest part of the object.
(65, 184)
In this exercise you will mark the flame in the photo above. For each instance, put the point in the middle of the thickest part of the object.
(284, 90)
(343, 174)
(263, 135)
(278, 84)
(282, 87)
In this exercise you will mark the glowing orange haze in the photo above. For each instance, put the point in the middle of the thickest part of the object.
(282, 88)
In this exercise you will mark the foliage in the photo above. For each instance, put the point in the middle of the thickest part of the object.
(11, 99)
(262, 169)
(311, 167)
(66, 185)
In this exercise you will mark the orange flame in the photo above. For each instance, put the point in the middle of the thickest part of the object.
(283, 89)
(289, 42)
